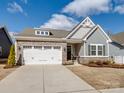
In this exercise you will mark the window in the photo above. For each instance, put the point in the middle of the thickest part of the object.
(46, 33)
(27, 47)
(57, 47)
(47, 47)
(0, 50)
(93, 50)
(37, 32)
(96, 50)
(38, 47)
(100, 50)
(42, 33)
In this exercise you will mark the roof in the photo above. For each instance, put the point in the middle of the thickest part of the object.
(54, 33)
(6, 32)
(119, 37)
(83, 23)
(87, 27)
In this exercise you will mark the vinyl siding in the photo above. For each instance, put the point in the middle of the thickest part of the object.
(115, 50)
(5, 44)
(80, 33)
(79, 50)
(97, 37)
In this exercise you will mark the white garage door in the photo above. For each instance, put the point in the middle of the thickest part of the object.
(42, 54)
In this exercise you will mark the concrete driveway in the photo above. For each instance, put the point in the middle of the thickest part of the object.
(44, 79)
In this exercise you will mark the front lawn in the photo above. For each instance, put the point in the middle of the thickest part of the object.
(5, 72)
(100, 78)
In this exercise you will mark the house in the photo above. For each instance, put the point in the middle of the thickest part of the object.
(118, 51)
(118, 37)
(85, 42)
(5, 42)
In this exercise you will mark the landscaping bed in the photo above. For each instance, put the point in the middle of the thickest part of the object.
(100, 77)
(104, 64)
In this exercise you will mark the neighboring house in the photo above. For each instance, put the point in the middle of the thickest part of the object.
(5, 42)
(119, 37)
(117, 47)
(85, 42)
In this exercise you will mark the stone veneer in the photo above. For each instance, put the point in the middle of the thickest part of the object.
(85, 60)
(20, 45)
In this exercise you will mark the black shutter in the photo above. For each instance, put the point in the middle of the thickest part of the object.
(88, 50)
(104, 50)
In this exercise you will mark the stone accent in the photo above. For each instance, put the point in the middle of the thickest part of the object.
(84, 60)
(20, 45)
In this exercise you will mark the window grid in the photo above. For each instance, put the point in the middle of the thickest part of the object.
(96, 50)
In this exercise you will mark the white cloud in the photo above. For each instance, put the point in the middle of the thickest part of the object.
(59, 21)
(119, 9)
(15, 8)
(25, 1)
(87, 7)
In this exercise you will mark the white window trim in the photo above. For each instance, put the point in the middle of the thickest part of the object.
(40, 33)
(97, 50)
(36, 32)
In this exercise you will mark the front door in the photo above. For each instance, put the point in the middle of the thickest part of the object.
(68, 52)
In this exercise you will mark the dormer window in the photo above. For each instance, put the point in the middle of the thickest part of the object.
(42, 33)
(37, 32)
(46, 33)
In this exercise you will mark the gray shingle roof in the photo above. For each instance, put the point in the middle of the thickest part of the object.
(119, 37)
(54, 33)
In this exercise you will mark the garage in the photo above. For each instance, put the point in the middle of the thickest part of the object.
(42, 54)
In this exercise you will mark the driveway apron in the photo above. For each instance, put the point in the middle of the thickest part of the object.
(44, 79)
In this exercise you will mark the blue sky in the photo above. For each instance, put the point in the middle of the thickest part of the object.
(61, 14)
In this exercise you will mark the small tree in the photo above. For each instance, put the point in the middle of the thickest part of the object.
(11, 58)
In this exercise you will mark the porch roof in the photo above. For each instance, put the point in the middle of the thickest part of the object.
(74, 41)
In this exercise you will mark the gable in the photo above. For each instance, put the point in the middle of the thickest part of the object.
(81, 29)
(80, 33)
(97, 37)
(96, 29)
(4, 35)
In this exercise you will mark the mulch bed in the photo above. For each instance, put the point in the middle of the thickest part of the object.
(119, 66)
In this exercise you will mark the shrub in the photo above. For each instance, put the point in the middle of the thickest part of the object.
(11, 58)
(106, 62)
(99, 63)
(92, 62)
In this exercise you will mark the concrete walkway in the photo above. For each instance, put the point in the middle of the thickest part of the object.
(44, 79)
(114, 90)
